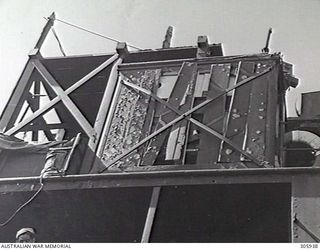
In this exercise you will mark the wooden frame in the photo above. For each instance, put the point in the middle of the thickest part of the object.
(64, 97)
(186, 116)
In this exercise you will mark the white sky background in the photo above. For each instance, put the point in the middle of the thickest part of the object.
(241, 25)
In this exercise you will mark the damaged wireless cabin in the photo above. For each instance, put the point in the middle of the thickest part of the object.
(167, 145)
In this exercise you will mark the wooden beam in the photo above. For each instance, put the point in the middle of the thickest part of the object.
(45, 31)
(209, 147)
(14, 105)
(105, 104)
(58, 98)
(34, 103)
(185, 78)
(237, 116)
(272, 105)
(183, 116)
(255, 137)
(259, 58)
(205, 128)
(204, 176)
(151, 214)
(41, 125)
(73, 109)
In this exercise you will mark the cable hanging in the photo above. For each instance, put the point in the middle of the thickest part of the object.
(58, 40)
(24, 204)
(92, 32)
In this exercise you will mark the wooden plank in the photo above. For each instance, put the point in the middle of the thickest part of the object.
(237, 117)
(186, 77)
(35, 105)
(73, 109)
(14, 105)
(40, 122)
(151, 215)
(57, 99)
(67, 122)
(272, 105)
(209, 146)
(178, 119)
(45, 127)
(105, 104)
(146, 130)
(256, 119)
(166, 178)
(183, 126)
(200, 125)
(45, 31)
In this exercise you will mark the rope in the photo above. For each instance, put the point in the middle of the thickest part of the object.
(24, 204)
(58, 40)
(92, 32)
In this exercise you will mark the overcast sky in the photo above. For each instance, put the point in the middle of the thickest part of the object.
(241, 25)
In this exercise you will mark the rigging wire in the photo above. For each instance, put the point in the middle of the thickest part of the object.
(58, 40)
(92, 32)
(26, 203)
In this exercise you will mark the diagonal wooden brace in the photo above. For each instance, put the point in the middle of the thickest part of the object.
(203, 126)
(73, 109)
(58, 98)
(183, 116)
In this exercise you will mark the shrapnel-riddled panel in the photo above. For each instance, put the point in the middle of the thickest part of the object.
(256, 119)
(214, 114)
(238, 111)
(246, 121)
(129, 118)
(180, 98)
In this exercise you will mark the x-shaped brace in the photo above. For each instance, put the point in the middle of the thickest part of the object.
(186, 115)
(63, 95)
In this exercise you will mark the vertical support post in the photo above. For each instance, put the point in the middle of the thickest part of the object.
(103, 120)
(209, 146)
(186, 78)
(122, 51)
(105, 104)
(101, 123)
(36, 105)
(238, 112)
(272, 103)
(151, 214)
(282, 114)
